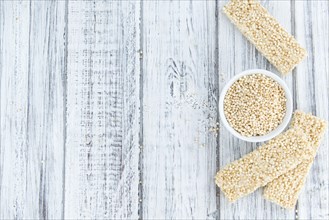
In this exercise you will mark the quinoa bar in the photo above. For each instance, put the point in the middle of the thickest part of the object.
(285, 189)
(264, 31)
(261, 166)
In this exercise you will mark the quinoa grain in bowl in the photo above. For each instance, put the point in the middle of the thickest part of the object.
(255, 105)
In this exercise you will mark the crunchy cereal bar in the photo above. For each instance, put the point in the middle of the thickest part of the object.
(264, 31)
(285, 189)
(261, 166)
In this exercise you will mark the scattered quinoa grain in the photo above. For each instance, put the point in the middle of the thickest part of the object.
(255, 105)
(285, 189)
(265, 32)
(261, 166)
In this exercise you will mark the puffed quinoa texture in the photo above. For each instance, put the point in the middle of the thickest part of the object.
(261, 166)
(285, 189)
(255, 105)
(265, 32)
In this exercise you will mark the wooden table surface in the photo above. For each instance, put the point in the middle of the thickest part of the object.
(109, 109)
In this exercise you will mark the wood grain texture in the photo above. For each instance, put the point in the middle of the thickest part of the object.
(108, 109)
(312, 29)
(32, 97)
(179, 109)
(236, 54)
(102, 147)
(14, 98)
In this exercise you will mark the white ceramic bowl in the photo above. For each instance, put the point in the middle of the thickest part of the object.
(273, 133)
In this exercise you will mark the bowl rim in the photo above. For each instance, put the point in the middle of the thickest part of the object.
(278, 129)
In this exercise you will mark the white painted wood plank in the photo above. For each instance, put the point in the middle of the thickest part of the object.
(312, 28)
(46, 109)
(236, 54)
(180, 107)
(32, 71)
(14, 108)
(102, 148)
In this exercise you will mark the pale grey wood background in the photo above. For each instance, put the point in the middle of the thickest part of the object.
(109, 108)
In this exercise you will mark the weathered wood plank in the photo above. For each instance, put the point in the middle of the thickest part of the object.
(312, 29)
(32, 100)
(180, 107)
(14, 99)
(236, 54)
(102, 148)
(46, 108)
